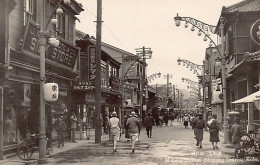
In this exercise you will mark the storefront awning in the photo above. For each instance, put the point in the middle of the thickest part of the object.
(248, 99)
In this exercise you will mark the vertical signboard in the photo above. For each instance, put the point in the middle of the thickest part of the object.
(92, 63)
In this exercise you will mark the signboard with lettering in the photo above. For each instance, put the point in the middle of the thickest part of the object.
(82, 86)
(255, 32)
(114, 83)
(92, 63)
(65, 54)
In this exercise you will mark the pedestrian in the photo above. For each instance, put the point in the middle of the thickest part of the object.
(237, 132)
(166, 118)
(115, 128)
(148, 122)
(73, 126)
(126, 128)
(106, 123)
(214, 128)
(134, 127)
(157, 120)
(198, 131)
(192, 120)
(60, 127)
(140, 121)
(186, 121)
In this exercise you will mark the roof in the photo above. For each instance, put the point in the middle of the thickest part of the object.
(243, 6)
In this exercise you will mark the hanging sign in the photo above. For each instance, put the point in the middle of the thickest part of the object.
(65, 54)
(82, 86)
(92, 63)
(255, 32)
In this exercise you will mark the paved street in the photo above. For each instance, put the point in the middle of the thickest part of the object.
(168, 145)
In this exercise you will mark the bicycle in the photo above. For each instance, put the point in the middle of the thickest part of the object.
(28, 146)
(250, 140)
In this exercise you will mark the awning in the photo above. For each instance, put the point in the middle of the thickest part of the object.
(248, 99)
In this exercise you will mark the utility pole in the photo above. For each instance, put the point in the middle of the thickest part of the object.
(3, 54)
(98, 127)
(144, 53)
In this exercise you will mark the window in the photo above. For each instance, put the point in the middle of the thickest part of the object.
(61, 26)
(29, 10)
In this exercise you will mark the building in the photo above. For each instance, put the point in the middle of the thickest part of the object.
(20, 86)
(84, 88)
(241, 30)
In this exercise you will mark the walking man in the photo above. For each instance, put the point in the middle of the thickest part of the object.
(115, 128)
(73, 127)
(186, 121)
(198, 131)
(134, 127)
(148, 121)
(60, 127)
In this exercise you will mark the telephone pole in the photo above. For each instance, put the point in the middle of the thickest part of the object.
(98, 127)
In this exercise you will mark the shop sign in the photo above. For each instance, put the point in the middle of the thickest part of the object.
(92, 63)
(255, 32)
(66, 54)
(114, 83)
(82, 86)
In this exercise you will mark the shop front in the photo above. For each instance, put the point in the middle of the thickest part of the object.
(83, 99)
(22, 87)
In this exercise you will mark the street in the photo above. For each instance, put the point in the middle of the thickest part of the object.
(168, 145)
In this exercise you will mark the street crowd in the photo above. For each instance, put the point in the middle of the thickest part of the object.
(133, 123)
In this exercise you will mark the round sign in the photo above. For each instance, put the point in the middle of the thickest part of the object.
(220, 96)
(255, 32)
(257, 103)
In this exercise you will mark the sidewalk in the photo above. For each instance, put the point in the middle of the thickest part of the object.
(14, 159)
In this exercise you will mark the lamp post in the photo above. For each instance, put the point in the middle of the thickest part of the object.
(201, 77)
(192, 85)
(203, 28)
(143, 53)
(153, 76)
(43, 34)
(206, 28)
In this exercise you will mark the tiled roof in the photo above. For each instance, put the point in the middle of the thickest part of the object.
(243, 6)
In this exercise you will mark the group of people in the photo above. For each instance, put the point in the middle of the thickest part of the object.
(133, 126)
(214, 128)
(61, 127)
(198, 124)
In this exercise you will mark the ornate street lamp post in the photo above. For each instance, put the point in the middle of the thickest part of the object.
(201, 77)
(206, 29)
(43, 34)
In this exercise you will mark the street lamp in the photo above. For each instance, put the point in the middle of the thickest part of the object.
(201, 77)
(203, 28)
(206, 28)
(43, 34)
(153, 76)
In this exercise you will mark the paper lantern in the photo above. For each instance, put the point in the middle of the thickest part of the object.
(51, 91)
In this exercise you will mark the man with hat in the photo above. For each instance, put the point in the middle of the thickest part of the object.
(148, 121)
(134, 127)
(115, 128)
(199, 124)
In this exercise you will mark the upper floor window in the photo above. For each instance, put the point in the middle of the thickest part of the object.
(113, 71)
(29, 10)
(61, 25)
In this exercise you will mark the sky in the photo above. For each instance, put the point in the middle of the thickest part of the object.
(131, 24)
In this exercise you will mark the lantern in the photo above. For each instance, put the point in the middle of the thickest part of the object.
(51, 91)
